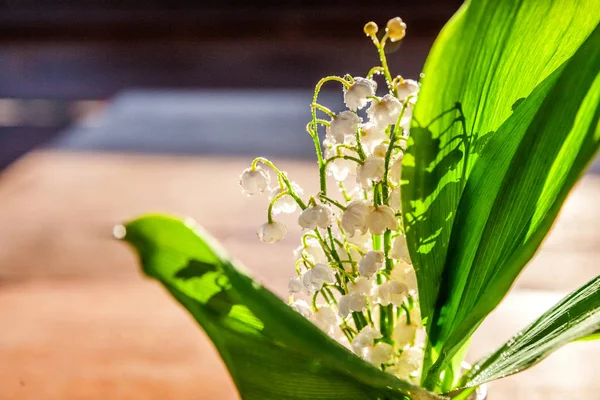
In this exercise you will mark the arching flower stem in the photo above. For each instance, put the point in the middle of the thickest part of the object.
(330, 200)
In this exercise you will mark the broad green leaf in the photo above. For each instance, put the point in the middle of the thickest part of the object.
(270, 350)
(489, 56)
(574, 317)
(487, 60)
(592, 336)
(513, 195)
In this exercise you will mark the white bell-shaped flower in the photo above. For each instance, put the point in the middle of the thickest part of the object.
(386, 111)
(372, 170)
(400, 249)
(316, 277)
(340, 168)
(295, 285)
(371, 263)
(302, 308)
(351, 302)
(344, 124)
(361, 285)
(390, 292)
(326, 319)
(379, 354)
(365, 338)
(409, 363)
(407, 88)
(371, 135)
(254, 181)
(319, 215)
(395, 173)
(356, 96)
(395, 199)
(405, 273)
(354, 217)
(404, 334)
(380, 150)
(380, 219)
(286, 203)
(271, 232)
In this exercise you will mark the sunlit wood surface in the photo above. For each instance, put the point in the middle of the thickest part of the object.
(77, 321)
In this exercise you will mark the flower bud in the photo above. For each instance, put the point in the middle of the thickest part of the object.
(271, 232)
(371, 29)
(396, 29)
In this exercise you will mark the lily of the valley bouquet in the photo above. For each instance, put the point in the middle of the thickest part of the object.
(433, 196)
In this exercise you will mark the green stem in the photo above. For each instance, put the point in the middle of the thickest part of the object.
(324, 109)
(343, 191)
(388, 154)
(356, 160)
(272, 203)
(359, 146)
(281, 175)
(407, 311)
(373, 71)
(384, 64)
(315, 134)
(335, 203)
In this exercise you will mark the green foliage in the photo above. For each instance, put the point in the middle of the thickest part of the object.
(271, 351)
(506, 121)
(574, 317)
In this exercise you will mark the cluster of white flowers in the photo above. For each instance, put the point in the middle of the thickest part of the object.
(354, 277)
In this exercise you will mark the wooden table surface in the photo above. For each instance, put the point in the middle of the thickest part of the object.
(77, 321)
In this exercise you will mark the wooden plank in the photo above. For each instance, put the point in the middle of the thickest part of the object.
(78, 322)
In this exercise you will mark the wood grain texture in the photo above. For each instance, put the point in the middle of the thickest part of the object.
(77, 321)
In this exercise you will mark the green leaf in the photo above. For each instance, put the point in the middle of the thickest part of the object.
(270, 350)
(495, 61)
(574, 317)
(590, 337)
(514, 194)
